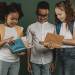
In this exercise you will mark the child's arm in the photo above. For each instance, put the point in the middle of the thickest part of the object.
(8, 40)
(21, 53)
(29, 37)
(70, 41)
(28, 61)
(53, 65)
(22, 34)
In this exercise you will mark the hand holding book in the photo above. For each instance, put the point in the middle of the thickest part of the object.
(53, 38)
(21, 44)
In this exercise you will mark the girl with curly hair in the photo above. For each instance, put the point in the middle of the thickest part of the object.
(9, 15)
(65, 20)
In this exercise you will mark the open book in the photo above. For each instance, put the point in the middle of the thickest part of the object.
(52, 37)
(21, 44)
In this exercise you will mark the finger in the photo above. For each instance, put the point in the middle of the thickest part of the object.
(28, 69)
(21, 53)
(11, 43)
(53, 45)
(12, 37)
(51, 70)
(31, 70)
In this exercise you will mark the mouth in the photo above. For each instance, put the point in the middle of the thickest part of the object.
(13, 23)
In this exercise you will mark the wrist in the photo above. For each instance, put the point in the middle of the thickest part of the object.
(28, 62)
(4, 41)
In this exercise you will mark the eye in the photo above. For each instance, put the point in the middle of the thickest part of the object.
(12, 18)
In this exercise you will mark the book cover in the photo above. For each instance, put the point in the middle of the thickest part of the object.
(56, 39)
(21, 44)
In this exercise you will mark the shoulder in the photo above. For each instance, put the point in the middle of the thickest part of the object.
(51, 26)
(19, 27)
(58, 26)
(32, 26)
(1, 26)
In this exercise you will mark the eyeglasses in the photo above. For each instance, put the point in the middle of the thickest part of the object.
(44, 16)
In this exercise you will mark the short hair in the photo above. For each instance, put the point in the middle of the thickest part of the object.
(43, 5)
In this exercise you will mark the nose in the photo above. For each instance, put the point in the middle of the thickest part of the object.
(58, 16)
(15, 21)
(42, 17)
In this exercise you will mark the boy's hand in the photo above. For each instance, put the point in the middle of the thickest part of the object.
(51, 45)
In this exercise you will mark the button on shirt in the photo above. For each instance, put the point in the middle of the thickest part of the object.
(37, 32)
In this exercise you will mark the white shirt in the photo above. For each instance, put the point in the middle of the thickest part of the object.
(37, 32)
(67, 35)
(5, 51)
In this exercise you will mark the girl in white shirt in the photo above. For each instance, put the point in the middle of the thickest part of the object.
(64, 17)
(10, 14)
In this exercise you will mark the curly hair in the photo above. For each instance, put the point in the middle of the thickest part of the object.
(5, 10)
(69, 11)
(2, 11)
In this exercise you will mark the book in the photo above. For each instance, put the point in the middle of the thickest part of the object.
(54, 38)
(21, 44)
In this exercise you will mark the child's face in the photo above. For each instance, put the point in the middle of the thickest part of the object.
(60, 13)
(42, 15)
(12, 19)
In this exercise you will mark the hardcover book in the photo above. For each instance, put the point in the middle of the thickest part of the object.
(21, 44)
(54, 38)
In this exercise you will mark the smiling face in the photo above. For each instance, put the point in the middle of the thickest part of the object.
(42, 15)
(60, 13)
(12, 19)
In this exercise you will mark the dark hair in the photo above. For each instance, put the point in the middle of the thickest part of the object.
(6, 9)
(43, 5)
(69, 11)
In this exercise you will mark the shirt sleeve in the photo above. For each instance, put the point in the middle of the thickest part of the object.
(29, 35)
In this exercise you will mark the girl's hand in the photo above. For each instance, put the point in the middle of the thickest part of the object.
(10, 40)
(51, 45)
(21, 53)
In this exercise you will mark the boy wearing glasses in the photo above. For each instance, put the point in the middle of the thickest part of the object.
(39, 58)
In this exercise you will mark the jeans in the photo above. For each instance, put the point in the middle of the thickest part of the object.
(9, 68)
(66, 61)
(40, 69)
